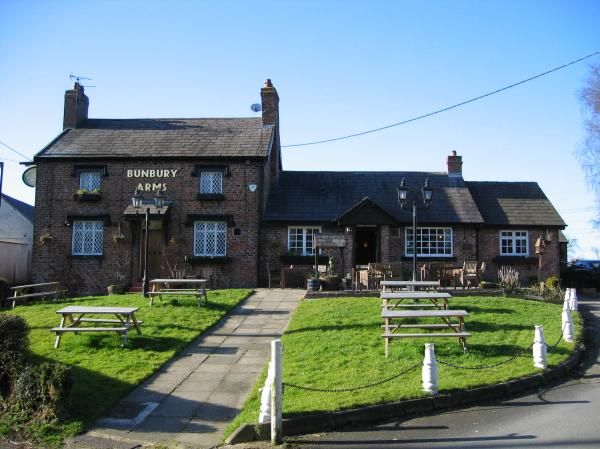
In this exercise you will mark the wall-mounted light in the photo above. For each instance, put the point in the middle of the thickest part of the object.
(252, 187)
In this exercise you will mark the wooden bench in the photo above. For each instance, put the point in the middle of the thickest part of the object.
(409, 285)
(49, 289)
(433, 297)
(165, 287)
(390, 330)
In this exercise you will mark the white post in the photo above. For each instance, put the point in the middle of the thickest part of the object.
(567, 294)
(567, 325)
(265, 398)
(429, 372)
(276, 393)
(574, 303)
(539, 348)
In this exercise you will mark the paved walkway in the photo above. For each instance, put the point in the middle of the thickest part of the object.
(189, 401)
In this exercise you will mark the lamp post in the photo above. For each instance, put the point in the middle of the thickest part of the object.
(427, 192)
(138, 202)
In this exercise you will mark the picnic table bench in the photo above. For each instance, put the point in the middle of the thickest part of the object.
(452, 319)
(41, 290)
(437, 299)
(73, 316)
(162, 287)
(409, 285)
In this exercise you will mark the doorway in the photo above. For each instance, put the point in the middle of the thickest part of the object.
(365, 245)
(154, 252)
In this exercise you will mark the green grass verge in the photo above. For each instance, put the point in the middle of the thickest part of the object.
(103, 371)
(336, 343)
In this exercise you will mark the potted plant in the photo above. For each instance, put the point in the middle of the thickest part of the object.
(331, 281)
(87, 195)
(118, 288)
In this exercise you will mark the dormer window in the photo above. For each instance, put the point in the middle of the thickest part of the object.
(211, 182)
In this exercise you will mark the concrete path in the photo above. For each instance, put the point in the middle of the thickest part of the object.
(189, 401)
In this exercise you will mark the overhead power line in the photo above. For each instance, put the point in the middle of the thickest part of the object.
(462, 103)
(15, 151)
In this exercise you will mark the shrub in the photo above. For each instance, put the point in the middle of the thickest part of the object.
(552, 282)
(13, 344)
(509, 280)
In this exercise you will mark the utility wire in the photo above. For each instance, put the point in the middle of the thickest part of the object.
(414, 119)
(12, 149)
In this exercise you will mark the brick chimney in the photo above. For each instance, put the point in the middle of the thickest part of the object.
(76, 107)
(270, 104)
(454, 163)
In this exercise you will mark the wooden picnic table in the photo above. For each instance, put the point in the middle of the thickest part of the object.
(437, 299)
(73, 316)
(410, 285)
(160, 287)
(451, 319)
(21, 292)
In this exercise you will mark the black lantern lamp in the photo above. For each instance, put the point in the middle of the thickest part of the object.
(159, 200)
(427, 192)
(137, 199)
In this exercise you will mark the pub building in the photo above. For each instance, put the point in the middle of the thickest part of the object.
(219, 205)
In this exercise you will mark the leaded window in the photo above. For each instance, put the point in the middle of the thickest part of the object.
(210, 238)
(211, 182)
(435, 242)
(514, 243)
(90, 180)
(88, 238)
(301, 240)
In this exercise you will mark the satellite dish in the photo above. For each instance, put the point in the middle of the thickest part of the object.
(29, 176)
(256, 107)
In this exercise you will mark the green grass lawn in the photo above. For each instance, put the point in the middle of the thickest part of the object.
(336, 343)
(103, 371)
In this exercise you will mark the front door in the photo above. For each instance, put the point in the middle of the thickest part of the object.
(154, 252)
(365, 245)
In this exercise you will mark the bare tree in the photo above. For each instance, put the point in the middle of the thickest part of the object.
(589, 152)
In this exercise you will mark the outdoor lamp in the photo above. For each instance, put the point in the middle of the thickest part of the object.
(159, 199)
(402, 193)
(137, 199)
(427, 193)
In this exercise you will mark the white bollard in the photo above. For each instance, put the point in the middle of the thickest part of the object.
(276, 393)
(567, 325)
(574, 304)
(539, 348)
(429, 372)
(567, 295)
(265, 398)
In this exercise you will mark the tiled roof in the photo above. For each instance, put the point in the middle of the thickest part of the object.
(24, 209)
(198, 138)
(514, 203)
(325, 196)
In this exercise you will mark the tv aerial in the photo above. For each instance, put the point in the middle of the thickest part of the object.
(256, 107)
(78, 78)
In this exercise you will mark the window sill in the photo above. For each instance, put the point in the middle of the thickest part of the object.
(430, 258)
(303, 260)
(215, 260)
(88, 197)
(86, 256)
(210, 197)
(515, 260)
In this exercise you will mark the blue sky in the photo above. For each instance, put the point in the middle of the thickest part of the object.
(340, 67)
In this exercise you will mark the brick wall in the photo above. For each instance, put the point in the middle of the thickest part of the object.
(55, 190)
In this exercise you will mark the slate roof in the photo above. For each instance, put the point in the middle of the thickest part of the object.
(24, 209)
(198, 138)
(318, 197)
(514, 204)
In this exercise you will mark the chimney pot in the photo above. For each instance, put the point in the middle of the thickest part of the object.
(268, 83)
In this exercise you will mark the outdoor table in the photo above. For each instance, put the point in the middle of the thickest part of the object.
(161, 287)
(437, 299)
(452, 319)
(292, 274)
(73, 316)
(411, 285)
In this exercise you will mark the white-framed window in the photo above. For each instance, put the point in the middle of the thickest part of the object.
(211, 182)
(514, 243)
(210, 238)
(90, 180)
(88, 238)
(301, 239)
(435, 242)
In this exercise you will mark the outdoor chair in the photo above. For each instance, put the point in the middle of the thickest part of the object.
(469, 275)
(376, 275)
(393, 271)
(273, 275)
